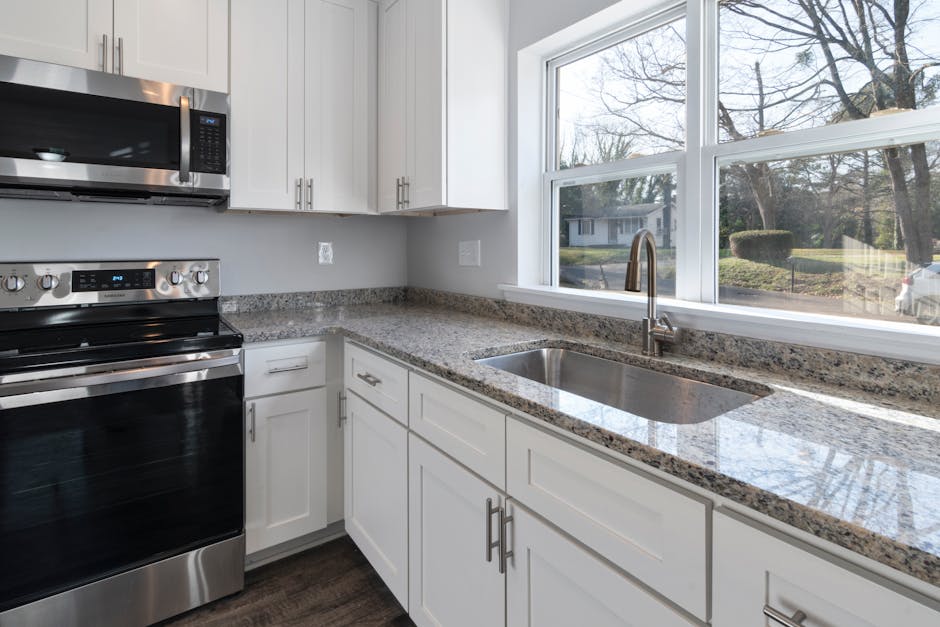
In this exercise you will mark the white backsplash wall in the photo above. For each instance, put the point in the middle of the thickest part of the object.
(259, 253)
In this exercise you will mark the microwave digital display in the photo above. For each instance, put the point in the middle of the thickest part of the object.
(111, 280)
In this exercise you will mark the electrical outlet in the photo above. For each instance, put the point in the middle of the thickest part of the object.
(325, 253)
(468, 253)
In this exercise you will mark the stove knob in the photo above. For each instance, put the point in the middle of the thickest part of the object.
(175, 278)
(201, 276)
(13, 283)
(48, 282)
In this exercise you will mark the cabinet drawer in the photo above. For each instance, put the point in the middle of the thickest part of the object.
(654, 533)
(468, 431)
(380, 381)
(754, 569)
(284, 367)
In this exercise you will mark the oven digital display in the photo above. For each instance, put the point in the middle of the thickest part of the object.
(110, 280)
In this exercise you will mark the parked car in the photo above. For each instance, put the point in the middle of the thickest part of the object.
(920, 294)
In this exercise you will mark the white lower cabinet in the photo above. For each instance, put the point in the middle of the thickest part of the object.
(376, 491)
(452, 582)
(553, 581)
(285, 467)
(758, 574)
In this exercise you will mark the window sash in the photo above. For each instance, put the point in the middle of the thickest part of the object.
(696, 169)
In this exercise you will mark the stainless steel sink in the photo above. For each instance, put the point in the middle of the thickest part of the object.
(647, 393)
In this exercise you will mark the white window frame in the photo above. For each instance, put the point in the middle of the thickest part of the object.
(696, 171)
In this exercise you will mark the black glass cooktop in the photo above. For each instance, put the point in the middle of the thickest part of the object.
(87, 335)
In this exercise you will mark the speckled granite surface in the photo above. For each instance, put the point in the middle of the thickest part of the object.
(305, 300)
(841, 464)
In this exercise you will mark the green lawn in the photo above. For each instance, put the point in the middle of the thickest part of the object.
(819, 272)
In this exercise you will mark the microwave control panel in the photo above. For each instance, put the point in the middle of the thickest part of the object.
(208, 152)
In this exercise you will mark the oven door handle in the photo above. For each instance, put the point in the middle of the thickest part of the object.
(43, 391)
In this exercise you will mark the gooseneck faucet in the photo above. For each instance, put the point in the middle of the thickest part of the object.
(656, 329)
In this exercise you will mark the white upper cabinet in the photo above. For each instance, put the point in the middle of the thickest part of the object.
(80, 34)
(267, 104)
(303, 105)
(442, 121)
(173, 41)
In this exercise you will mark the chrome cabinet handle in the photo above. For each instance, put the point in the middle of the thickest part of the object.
(490, 543)
(303, 366)
(368, 378)
(341, 410)
(298, 192)
(104, 52)
(309, 194)
(251, 424)
(398, 194)
(185, 139)
(117, 64)
(504, 555)
(787, 621)
(406, 192)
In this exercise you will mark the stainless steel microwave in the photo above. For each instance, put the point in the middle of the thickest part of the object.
(74, 134)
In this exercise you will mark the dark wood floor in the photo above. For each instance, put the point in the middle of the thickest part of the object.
(332, 584)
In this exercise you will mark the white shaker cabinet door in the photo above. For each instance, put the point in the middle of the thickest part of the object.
(393, 103)
(267, 105)
(340, 105)
(173, 41)
(554, 582)
(285, 467)
(376, 491)
(452, 583)
(67, 32)
(759, 575)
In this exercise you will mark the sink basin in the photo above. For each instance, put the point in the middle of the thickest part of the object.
(647, 393)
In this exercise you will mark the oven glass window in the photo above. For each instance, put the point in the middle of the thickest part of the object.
(53, 125)
(95, 486)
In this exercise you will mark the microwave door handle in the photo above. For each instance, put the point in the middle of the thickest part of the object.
(185, 139)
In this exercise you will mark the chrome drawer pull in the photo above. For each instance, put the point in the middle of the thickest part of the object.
(251, 426)
(787, 621)
(490, 543)
(287, 368)
(368, 378)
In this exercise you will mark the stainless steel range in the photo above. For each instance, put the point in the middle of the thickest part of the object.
(121, 443)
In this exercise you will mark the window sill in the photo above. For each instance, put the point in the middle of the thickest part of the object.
(896, 340)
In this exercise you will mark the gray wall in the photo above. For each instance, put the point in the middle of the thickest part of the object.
(432, 242)
(260, 253)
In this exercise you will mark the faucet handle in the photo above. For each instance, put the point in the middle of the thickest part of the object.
(663, 330)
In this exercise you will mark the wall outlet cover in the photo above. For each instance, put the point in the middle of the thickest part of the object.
(325, 253)
(468, 253)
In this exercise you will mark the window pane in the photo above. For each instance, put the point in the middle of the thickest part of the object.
(788, 64)
(625, 101)
(597, 222)
(864, 228)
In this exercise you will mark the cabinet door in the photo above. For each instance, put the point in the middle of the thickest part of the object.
(393, 128)
(452, 583)
(340, 105)
(286, 468)
(425, 105)
(267, 104)
(173, 41)
(376, 491)
(755, 571)
(553, 581)
(68, 32)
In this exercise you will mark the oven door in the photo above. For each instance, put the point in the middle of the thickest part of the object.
(104, 471)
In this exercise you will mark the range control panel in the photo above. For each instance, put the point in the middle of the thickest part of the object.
(57, 284)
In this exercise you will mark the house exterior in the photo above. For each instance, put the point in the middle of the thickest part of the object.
(617, 225)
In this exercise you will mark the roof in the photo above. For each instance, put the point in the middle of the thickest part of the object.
(621, 211)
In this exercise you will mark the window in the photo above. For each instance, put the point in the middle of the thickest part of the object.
(812, 165)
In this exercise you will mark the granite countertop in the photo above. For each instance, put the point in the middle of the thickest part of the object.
(833, 462)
